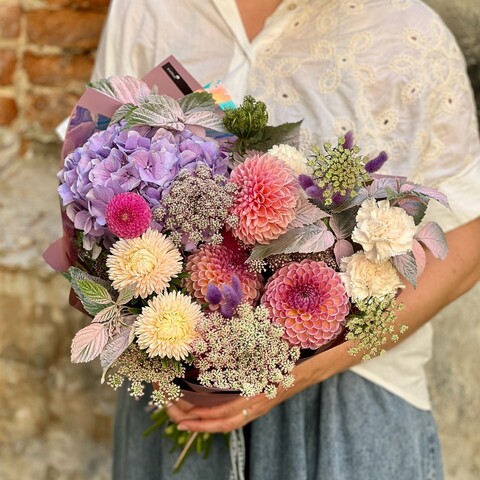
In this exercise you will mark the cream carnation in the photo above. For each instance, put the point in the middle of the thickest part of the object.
(148, 262)
(364, 278)
(383, 231)
(292, 157)
(166, 327)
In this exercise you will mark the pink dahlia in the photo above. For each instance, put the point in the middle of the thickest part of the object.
(128, 215)
(309, 300)
(266, 199)
(216, 265)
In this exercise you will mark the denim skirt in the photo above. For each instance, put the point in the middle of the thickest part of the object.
(345, 428)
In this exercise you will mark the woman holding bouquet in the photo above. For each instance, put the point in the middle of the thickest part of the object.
(391, 72)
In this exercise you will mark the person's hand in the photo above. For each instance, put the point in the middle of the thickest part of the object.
(237, 413)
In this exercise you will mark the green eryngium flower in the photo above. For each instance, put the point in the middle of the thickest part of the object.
(246, 120)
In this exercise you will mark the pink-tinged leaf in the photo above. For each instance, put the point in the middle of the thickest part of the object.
(291, 241)
(407, 187)
(420, 257)
(343, 223)
(414, 206)
(107, 314)
(129, 89)
(377, 188)
(360, 196)
(434, 194)
(432, 236)
(427, 191)
(114, 348)
(88, 343)
(343, 248)
(306, 214)
(407, 266)
(318, 242)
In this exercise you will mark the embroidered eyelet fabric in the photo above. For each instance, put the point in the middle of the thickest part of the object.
(389, 70)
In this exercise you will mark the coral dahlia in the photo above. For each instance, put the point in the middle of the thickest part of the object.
(166, 327)
(148, 262)
(128, 215)
(266, 199)
(217, 264)
(309, 300)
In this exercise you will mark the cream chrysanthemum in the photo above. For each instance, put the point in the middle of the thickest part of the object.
(166, 327)
(148, 262)
(295, 159)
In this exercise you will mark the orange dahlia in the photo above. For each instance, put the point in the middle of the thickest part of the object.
(216, 265)
(309, 300)
(266, 198)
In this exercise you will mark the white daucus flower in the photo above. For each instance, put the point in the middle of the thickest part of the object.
(383, 231)
(364, 278)
(292, 157)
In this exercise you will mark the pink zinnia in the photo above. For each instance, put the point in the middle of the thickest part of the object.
(266, 199)
(309, 300)
(128, 215)
(217, 264)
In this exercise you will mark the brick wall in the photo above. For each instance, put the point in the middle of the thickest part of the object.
(46, 56)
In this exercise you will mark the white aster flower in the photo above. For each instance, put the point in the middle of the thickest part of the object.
(292, 157)
(364, 278)
(383, 231)
(166, 327)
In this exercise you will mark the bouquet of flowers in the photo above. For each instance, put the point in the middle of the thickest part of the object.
(212, 254)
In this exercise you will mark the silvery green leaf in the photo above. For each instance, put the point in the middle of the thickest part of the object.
(288, 133)
(432, 236)
(196, 102)
(407, 266)
(122, 112)
(114, 348)
(205, 119)
(391, 194)
(79, 274)
(159, 111)
(103, 85)
(107, 314)
(89, 342)
(125, 295)
(94, 292)
(91, 306)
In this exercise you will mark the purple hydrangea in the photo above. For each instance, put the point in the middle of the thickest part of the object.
(143, 160)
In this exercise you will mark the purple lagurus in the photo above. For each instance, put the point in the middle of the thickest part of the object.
(142, 160)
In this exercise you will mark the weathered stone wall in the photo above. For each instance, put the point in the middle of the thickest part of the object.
(55, 418)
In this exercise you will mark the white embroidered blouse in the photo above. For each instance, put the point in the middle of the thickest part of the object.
(389, 70)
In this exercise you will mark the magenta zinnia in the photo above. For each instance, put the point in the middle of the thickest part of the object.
(217, 264)
(128, 215)
(266, 199)
(309, 300)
